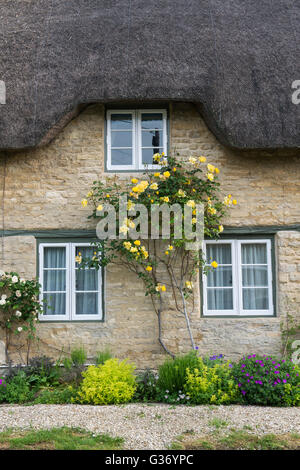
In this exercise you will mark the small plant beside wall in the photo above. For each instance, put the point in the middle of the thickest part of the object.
(19, 309)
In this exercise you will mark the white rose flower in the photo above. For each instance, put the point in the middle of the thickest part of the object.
(2, 302)
(4, 296)
(2, 273)
(20, 328)
(18, 293)
(18, 313)
(14, 279)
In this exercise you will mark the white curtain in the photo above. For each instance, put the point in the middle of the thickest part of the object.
(220, 278)
(54, 280)
(87, 281)
(255, 276)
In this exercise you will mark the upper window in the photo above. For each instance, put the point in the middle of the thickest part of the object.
(69, 293)
(242, 282)
(134, 136)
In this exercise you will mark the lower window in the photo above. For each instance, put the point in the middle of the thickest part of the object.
(242, 282)
(69, 293)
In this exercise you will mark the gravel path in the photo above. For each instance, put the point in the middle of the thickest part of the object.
(150, 426)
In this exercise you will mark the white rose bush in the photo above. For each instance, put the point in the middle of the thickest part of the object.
(19, 308)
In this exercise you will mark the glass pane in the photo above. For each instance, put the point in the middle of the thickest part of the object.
(255, 299)
(147, 155)
(121, 121)
(255, 276)
(254, 253)
(220, 277)
(54, 257)
(86, 304)
(219, 299)
(121, 157)
(86, 279)
(55, 304)
(152, 121)
(152, 139)
(221, 253)
(85, 251)
(54, 280)
(121, 139)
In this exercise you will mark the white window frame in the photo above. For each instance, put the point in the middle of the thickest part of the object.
(137, 164)
(237, 280)
(70, 284)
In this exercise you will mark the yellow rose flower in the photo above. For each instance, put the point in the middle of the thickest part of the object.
(210, 176)
(78, 259)
(170, 247)
(127, 245)
(180, 193)
(134, 181)
(202, 159)
(107, 195)
(194, 220)
(214, 264)
(154, 186)
(165, 199)
(221, 228)
(188, 284)
(174, 169)
(217, 171)
(211, 210)
(192, 160)
(166, 252)
(149, 268)
(156, 175)
(137, 242)
(133, 249)
(167, 174)
(191, 203)
(100, 207)
(211, 168)
(89, 194)
(234, 201)
(130, 205)
(84, 202)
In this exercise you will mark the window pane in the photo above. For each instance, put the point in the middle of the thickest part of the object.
(152, 139)
(55, 257)
(55, 304)
(152, 121)
(147, 155)
(54, 280)
(121, 157)
(255, 299)
(121, 121)
(87, 304)
(85, 251)
(255, 276)
(86, 279)
(219, 299)
(220, 277)
(121, 139)
(254, 253)
(221, 253)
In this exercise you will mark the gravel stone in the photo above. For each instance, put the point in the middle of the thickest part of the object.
(150, 426)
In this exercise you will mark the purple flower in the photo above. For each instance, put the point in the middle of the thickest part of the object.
(243, 392)
(196, 347)
(239, 385)
(243, 365)
(284, 381)
(230, 365)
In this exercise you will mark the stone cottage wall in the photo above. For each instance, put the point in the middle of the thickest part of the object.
(43, 190)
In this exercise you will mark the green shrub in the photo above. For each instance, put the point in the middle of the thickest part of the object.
(146, 386)
(57, 396)
(211, 384)
(172, 373)
(78, 356)
(111, 383)
(265, 380)
(103, 356)
(17, 390)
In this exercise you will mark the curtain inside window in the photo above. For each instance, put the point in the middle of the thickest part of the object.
(255, 276)
(219, 281)
(54, 281)
(86, 286)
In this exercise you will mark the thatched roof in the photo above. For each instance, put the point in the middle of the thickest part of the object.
(236, 59)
